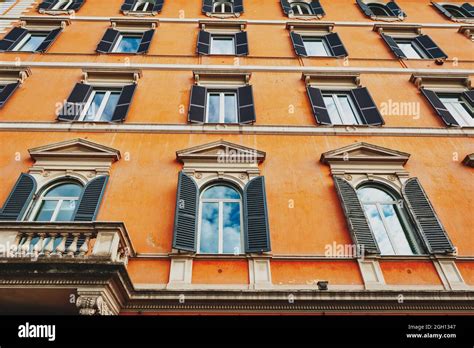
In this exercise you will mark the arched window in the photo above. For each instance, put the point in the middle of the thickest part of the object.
(59, 202)
(457, 11)
(380, 9)
(389, 221)
(220, 220)
(301, 8)
(221, 6)
(144, 5)
(62, 5)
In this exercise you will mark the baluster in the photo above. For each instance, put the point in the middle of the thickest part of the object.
(48, 249)
(15, 247)
(61, 248)
(72, 249)
(25, 248)
(85, 247)
(38, 248)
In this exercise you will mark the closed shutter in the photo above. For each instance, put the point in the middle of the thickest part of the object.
(432, 231)
(257, 230)
(49, 40)
(89, 202)
(366, 9)
(468, 8)
(185, 221)
(319, 108)
(19, 198)
(146, 41)
(197, 104)
(76, 5)
(335, 45)
(430, 47)
(355, 216)
(298, 44)
(469, 95)
(439, 107)
(158, 5)
(12, 39)
(393, 46)
(238, 6)
(7, 92)
(46, 4)
(246, 105)
(108, 41)
(396, 10)
(366, 106)
(285, 5)
(441, 9)
(317, 8)
(127, 5)
(123, 104)
(76, 102)
(207, 6)
(241, 44)
(204, 42)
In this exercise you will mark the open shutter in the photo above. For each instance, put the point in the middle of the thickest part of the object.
(185, 221)
(439, 107)
(468, 8)
(146, 41)
(366, 9)
(76, 5)
(7, 92)
(319, 108)
(241, 44)
(123, 103)
(197, 104)
(430, 47)
(46, 4)
(396, 10)
(246, 105)
(357, 222)
(238, 6)
(158, 5)
(10, 40)
(366, 106)
(257, 230)
(393, 46)
(89, 203)
(127, 5)
(207, 6)
(298, 44)
(204, 42)
(441, 9)
(19, 198)
(285, 5)
(432, 231)
(317, 8)
(335, 45)
(76, 102)
(108, 41)
(469, 95)
(49, 40)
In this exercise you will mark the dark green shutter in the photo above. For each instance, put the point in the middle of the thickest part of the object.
(207, 6)
(238, 6)
(49, 40)
(317, 8)
(7, 92)
(185, 221)
(123, 104)
(431, 49)
(246, 105)
(197, 104)
(320, 111)
(469, 95)
(396, 10)
(76, 5)
(146, 41)
(10, 40)
(441, 9)
(257, 230)
(241, 44)
(393, 46)
(298, 44)
(335, 45)
(439, 107)
(108, 41)
(357, 222)
(89, 202)
(75, 102)
(468, 8)
(285, 5)
(19, 198)
(158, 5)
(432, 231)
(46, 4)
(366, 9)
(366, 106)
(204, 42)
(128, 5)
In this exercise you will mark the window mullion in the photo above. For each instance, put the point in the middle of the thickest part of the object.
(221, 227)
(339, 109)
(87, 106)
(221, 107)
(102, 106)
(56, 210)
(387, 229)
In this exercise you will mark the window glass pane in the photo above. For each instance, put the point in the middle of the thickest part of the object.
(95, 105)
(129, 44)
(222, 45)
(110, 107)
(347, 110)
(46, 210)
(66, 210)
(221, 192)
(372, 194)
(33, 42)
(209, 242)
(379, 10)
(301, 8)
(455, 11)
(332, 110)
(213, 108)
(65, 190)
(396, 230)
(231, 227)
(378, 228)
(458, 108)
(409, 50)
(315, 47)
(230, 104)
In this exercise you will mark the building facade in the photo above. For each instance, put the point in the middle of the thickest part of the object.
(237, 157)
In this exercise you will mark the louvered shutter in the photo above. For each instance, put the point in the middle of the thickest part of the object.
(207, 6)
(108, 41)
(366, 106)
(285, 5)
(241, 44)
(12, 38)
(204, 42)
(246, 105)
(335, 45)
(430, 47)
(396, 10)
(320, 111)
(123, 104)
(7, 92)
(357, 222)
(146, 41)
(185, 222)
(468, 8)
(76, 102)
(19, 198)
(197, 104)
(46, 4)
(89, 202)
(469, 95)
(158, 5)
(76, 5)
(393, 46)
(317, 8)
(49, 40)
(366, 9)
(127, 5)
(238, 6)
(441, 9)
(298, 44)
(432, 231)
(257, 230)
(439, 107)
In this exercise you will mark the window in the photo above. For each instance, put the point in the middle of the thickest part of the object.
(62, 5)
(101, 105)
(457, 12)
(221, 107)
(220, 221)
(316, 47)
(128, 43)
(458, 107)
(380, 10)
(59, 202)
(341, 108)
(301, 8)
(411, 48)
(220, 6)
(31, 42)
(388, 220)
(222, 44)
(144, 5)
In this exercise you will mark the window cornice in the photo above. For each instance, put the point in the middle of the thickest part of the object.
(227, 77)
(44, 23)
(452, 81)
(120, 23)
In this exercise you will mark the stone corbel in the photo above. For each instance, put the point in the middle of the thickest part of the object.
(93, 305)
(260, 272)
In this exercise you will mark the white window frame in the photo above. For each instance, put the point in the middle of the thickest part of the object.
(460, 118)
(317, 38)
(62, 5)
(103, 104)
(215, 37)
(222, 93)
(120, 38)
(27, 37)
(416, 47)
(148, 6)
(222, 4)
(298, 5)
(342, 115)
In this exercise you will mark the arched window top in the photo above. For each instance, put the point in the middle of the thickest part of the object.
(144, 5)
(70, 189)
(379, 9)
(58, 202)
(301, 8)
(456, 11)
(223, 6)
(221, 191)
(62, 5)
(375, 194)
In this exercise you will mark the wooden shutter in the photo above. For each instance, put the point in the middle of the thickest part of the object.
(393, 46)
(285, 5)
(439, 107)
(197, 104)
(335, 45)
(396, 10)
(241, 44)
(75, 102)
(257, 230)
(298, 44)
(185, 221)
(441, 9)
(366, 106)
(49, 40)
(76, 5)
(366, 9)
(468, 8)
(238, 6)
(246, 105)
(207, 6)
(7, 92)
(146, 41)
(12, 38)
(317, 8)
(46, 4)
(430, 47)
(469, 95)
(432, 231)
(89, 202)
(19, 198)
(123, 104)
(355, 216)
(319, 108)
(158, 5)
(108, 41)
(204, 42)
(127, 5)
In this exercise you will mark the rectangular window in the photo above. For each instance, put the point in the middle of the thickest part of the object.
(221, 107)
(341, 108)
(316, 47)
(128, 43)
(222, 44)
(31, 42)
(411, 49)
(458, 107)
(101, 105)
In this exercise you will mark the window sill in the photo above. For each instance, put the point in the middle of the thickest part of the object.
(223, 15)
(140, 13)
(388, 18)
(57, 12)
(304, 17)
